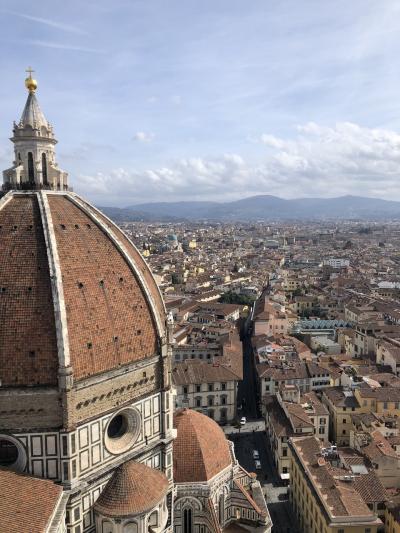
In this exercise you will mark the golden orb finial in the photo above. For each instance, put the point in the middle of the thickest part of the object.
(30, 83)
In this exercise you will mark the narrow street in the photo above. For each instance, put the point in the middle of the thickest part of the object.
(252, 437)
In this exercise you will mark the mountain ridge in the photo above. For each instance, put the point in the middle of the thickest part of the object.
(261, 207)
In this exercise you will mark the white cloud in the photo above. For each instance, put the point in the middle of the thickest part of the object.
(317, 161)
(144, 137)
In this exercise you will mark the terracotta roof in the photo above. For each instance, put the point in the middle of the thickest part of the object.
(133, 488)
(27, 504)
(27, 327)
(341, 497)
(201, 449)
(103, 290)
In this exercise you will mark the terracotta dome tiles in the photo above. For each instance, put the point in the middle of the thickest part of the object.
(111, 318)
(201, 450)
(28, 346)
(108, 316)
(134, 488)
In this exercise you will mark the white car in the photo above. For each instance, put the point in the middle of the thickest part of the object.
(243, 421)
(256, 455)
(258, 465)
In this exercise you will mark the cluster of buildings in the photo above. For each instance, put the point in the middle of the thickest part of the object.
(127, 361)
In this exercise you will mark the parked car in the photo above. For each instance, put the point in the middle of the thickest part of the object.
(258, 464)
(256, 455)
(243, 421)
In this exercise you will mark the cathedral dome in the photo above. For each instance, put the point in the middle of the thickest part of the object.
(75, 293)
(134, 488)
(201, 450)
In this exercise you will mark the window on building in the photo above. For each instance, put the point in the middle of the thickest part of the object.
(344, 421)
(198, 388)
(284, 452)
(210, 387)
(153, 519)
(198, 401)
(321, 430)
(31, 170)
(210, 401)
(223, 386)
(223, 400)
(344, 432)
(44, 169)
(8, 453)
(185, 390)
(187, 521)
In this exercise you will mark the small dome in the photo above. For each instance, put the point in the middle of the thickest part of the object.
(201, 450)
(134, 488)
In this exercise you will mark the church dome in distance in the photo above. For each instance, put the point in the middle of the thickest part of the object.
(201, 450)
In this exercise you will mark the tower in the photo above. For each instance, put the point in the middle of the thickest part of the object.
(35, 165)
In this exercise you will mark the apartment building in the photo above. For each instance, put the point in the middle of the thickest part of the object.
(207, 381)
(326, 495)
(290, 414)
(341, 404)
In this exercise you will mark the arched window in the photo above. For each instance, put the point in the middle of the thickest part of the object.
(44, 169)
(31, 170)
(187, 521)
(131, 527)
(107, 527)
(153, 519)
(221, 508)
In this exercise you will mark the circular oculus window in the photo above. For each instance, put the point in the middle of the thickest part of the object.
(12, 453)
(122, 430)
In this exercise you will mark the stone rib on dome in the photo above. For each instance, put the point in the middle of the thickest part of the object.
(112, 316)
(201, 450)
(134, 488)
(32, 115)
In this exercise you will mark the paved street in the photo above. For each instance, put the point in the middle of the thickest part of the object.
(252, 437)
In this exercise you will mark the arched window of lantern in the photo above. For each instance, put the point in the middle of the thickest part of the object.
(31, 169)
(44, 169)
(187, 521)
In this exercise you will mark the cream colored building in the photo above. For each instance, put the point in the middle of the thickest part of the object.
(323, 499)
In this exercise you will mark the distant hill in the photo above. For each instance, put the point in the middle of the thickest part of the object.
(262, 207)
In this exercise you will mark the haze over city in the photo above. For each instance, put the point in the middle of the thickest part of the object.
(158, 100)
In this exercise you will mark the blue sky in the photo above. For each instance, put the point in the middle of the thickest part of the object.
(211, 99)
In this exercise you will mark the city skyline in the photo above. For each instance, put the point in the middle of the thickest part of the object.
(216, 102)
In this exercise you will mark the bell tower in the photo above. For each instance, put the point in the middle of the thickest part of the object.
(35, 165)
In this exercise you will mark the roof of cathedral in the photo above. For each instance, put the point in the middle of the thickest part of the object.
(32, 115)
(26, 503)
(201, 450)
(134, 488)
(70, 282)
